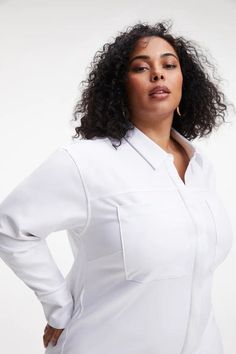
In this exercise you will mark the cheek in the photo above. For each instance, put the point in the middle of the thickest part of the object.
(180, 80)
(178, 83)
(135, 86)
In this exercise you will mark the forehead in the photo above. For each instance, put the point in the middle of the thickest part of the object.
(152, 44)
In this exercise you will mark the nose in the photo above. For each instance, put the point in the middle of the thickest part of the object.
(156, 77)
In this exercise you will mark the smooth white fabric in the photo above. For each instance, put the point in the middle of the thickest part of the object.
(145, 243)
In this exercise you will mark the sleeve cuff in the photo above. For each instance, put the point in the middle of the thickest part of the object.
(58, 307)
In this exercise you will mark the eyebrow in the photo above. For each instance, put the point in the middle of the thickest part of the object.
(147, 56)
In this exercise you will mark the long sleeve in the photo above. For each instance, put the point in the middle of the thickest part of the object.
(50, 199)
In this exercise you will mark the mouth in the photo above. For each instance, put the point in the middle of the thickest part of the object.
(159, 95)
(159, 90)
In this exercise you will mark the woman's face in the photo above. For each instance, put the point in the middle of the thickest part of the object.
(160, 60)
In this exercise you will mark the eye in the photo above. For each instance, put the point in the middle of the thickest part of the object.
(140, 68)
(170, 66)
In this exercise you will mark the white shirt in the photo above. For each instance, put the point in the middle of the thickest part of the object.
(145, 244)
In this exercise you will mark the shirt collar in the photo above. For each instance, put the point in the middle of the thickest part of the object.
(152, 152)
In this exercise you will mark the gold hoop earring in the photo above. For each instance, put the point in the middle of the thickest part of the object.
(177, 109)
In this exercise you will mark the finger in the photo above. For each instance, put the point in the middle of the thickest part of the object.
(49, 331)
(46, 340)
(51, 335)
(45, 329)
(55, 336)
(47, 336)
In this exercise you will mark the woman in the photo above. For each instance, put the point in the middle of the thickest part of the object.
(146, 225)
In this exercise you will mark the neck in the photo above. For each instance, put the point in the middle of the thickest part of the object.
(160, 134)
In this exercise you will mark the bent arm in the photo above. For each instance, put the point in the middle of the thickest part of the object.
(52, 198)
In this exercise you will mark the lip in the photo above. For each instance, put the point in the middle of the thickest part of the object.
(159, 96)
(159, 90)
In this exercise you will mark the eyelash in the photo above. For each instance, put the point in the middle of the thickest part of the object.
(144, 67)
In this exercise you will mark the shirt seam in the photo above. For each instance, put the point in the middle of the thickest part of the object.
(88, 204)
(146, 190)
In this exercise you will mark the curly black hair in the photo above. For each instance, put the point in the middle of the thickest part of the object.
(103, 109)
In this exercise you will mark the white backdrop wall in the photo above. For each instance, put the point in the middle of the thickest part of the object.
(46, 50)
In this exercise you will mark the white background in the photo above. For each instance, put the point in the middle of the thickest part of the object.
(46, 49)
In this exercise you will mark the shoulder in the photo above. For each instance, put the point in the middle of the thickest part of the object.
(86, 146)
(90, 152)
